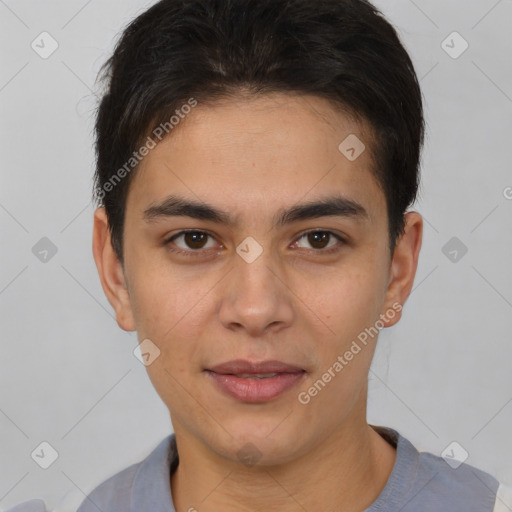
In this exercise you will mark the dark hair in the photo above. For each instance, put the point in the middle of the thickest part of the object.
(183, 51)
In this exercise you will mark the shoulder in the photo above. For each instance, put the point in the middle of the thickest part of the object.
(140, 486)
(113, 494)
(144, 485)
(422, 481)
(29, 506)
(445, 483)
(121, 492)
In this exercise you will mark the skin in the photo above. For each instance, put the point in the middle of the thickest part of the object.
(253, 157)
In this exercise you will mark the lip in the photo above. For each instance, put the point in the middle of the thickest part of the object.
(254, 390)
(238, 366)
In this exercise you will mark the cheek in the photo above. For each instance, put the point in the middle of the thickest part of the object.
(170, 307)
(349, 298)
(350, 305)
(159, 295)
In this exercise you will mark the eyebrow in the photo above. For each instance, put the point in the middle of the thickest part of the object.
(175, 206)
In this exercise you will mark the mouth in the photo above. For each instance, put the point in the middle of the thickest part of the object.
(254, 375)
(254, 382)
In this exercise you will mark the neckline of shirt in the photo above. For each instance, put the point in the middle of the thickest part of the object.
(152, 486)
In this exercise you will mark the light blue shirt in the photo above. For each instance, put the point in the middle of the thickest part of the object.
(419, 482)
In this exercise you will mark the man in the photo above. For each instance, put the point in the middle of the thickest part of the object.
(255, 163)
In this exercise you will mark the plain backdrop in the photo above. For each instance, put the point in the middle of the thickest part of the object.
(68, 375)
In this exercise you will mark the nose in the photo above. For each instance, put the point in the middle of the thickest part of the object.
(256, 298)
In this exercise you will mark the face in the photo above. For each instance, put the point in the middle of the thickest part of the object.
(251, 238)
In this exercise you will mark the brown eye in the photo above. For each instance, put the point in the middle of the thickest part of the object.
(195, 239)
(190, 241)
(320, 240)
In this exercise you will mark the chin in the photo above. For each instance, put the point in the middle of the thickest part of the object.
(268, 443)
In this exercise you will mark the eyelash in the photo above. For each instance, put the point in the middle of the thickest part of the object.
(199, 252)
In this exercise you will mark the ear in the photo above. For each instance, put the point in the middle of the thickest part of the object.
(111, 272)
(403, 268)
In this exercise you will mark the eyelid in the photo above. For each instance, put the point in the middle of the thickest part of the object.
(190, 252)
(334, 248)
(198, 252)
(336, 234)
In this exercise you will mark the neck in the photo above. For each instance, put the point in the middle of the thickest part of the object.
(350, 467)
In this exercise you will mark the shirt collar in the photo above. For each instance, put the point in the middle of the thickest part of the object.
(402, 475)
(152, 483)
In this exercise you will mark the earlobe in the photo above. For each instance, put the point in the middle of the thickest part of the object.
(403, 267)
(111, 272)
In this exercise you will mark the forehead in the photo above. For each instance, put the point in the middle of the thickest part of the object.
(260, 151)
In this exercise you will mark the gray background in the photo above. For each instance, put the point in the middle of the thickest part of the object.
(68, 375)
